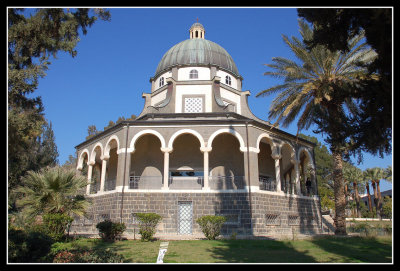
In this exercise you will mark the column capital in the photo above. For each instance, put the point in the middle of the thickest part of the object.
(91, 163)
(276, 156)
(166, 150)
(205, 149)
(105, 157)
(124, 150)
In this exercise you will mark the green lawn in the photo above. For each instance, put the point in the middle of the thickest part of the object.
(317, 250)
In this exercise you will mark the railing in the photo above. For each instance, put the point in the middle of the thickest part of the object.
(94, 187)
(190, 183)
(267, 183)
(109, 185)
(145, 182)
(226, 182)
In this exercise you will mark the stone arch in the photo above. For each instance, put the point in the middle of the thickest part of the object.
(186, 131)
(226, 162)
(230, 131)
(307, 171)
(93, 155)
(108, 145)
(292, 149)
(269, 139)
(308, 154)
(141, 133)
(81, 159)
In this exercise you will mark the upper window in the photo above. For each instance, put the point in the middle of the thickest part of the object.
(161, 82)
(193, 105)
(194, 74)
(228, 80)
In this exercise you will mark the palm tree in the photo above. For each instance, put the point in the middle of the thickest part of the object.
(317, 91)
(354, 176)
(53, 190)
(366, 182)
(375, 175)
(388, 174)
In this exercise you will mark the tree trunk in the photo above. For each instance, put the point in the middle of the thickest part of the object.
(340, 199)
(357, 199)
(369, 197)
(379, 206)
(375, 196)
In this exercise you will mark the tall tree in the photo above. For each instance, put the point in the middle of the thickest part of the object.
(366, 182)
(375, 175)
(315, 90)
(31, 42)
(334, 27)
(354, 176)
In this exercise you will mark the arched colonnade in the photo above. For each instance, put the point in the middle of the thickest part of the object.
(277, 165)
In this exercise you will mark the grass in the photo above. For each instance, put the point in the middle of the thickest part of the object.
(314, 250)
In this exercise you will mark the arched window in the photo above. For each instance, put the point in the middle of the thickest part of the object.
(194, 74)
(228, 80)
(161, 82)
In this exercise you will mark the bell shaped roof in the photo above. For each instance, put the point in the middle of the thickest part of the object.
(197, 51)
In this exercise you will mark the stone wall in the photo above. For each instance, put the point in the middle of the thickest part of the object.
(272, 214)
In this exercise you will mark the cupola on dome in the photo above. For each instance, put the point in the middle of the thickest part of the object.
(197, 51)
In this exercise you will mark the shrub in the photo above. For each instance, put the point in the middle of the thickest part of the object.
(87, 256)
(387, 207)
(147, 225)
(110, 231)
(56, 224)
(211, 225)
(363, 228)
(28, 247)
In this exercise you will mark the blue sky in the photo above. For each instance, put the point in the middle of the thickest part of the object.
(116, 59)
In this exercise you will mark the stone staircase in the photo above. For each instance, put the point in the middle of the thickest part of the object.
(327, 224)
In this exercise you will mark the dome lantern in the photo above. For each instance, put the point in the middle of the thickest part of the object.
(197, 31)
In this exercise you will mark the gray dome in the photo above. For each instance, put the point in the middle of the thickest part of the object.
(192, 52)
(196, 24)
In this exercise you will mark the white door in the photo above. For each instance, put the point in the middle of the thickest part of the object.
(185, 218)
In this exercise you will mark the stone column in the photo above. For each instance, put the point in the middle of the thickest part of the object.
(277, 172)
(166, 152)
(206, 150)
(89, 177)
(124, 163)
(297, 175)
(103, 173)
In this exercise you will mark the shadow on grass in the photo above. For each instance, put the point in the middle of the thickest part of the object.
(357, 249)
(313, 250)
(258, 251)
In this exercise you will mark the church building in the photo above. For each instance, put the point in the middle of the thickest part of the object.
(197, 149)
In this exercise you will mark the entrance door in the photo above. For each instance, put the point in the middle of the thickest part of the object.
(185, 217)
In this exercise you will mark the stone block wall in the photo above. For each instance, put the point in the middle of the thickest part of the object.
(271, 214)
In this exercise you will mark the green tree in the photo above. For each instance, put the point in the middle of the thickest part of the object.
(375, 175)
(334, 27)
(315, 90)
(53, 190)
(32, 40)
(324, 168)
(387, 207)
(366, 183)
(41, 151)
(92, 131)
(354, 176)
